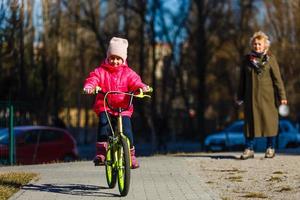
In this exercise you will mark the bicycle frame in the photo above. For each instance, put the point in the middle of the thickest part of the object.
(119, 110)
(118, 160)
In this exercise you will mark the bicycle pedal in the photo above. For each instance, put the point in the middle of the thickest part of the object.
(108, 163)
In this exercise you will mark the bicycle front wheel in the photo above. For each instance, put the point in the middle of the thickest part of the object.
(110, 168)
(123, 167)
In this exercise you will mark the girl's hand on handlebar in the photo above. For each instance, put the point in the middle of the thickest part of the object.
(91, 90)
(97, 89)
(142, 91)
(147, 89)
(88, 90)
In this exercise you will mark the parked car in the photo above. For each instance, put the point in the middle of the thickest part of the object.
(39, 144)
(232, 138)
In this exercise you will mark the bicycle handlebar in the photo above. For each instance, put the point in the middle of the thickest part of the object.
(141, 94)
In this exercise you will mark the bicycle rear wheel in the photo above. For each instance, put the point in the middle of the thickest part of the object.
(123, 167)
(110, 168)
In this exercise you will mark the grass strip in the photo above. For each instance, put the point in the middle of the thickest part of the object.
(11, 182)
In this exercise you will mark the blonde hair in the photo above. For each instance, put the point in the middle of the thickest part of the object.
(261, 36)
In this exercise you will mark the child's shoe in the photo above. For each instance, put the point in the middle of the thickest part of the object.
(101, 148)
(134, 162)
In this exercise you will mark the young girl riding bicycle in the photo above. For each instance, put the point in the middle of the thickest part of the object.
(113, 74)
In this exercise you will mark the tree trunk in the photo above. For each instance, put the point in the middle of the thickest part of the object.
(201, 69)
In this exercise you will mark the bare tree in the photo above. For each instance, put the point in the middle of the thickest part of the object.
(283, 19)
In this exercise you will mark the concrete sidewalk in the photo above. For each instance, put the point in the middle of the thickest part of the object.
(159, 177)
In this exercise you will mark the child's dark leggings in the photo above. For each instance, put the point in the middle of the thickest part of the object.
(104, 128)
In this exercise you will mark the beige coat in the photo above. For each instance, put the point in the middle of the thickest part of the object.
(261, 94)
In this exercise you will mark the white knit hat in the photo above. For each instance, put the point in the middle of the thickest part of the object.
(118, 47)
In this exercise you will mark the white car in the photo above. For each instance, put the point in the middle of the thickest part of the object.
(232, 138)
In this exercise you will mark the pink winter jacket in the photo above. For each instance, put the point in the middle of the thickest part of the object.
(111, 78)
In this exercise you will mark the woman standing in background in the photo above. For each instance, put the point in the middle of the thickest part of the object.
(260, 88)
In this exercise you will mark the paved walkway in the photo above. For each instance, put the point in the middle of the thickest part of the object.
(159, 177)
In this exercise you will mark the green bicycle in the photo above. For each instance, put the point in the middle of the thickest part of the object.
(118, 162)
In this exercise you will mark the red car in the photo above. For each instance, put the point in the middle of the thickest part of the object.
(39, 144)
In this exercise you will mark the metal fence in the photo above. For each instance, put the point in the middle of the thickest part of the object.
(11, 114)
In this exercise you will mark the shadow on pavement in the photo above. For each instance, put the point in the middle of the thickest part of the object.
(72, 189)
(291, 151)
(233, 157)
